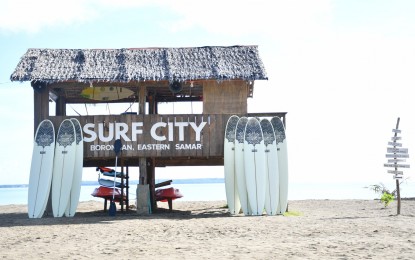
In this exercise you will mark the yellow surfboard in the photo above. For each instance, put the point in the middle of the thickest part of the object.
(106, 93)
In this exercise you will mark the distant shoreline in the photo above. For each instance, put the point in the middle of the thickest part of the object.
(95, 183)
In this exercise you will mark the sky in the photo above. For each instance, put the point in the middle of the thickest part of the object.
(343, 70)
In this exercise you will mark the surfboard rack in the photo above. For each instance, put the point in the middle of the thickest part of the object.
(123, 188)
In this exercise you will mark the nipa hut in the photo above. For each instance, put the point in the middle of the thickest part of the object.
(221, 77)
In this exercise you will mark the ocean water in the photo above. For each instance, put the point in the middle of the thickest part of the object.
(190, 191)
(214, 189)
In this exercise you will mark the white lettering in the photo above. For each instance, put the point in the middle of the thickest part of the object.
(181, 126)
(127, 147)
(108, 132)
(157, 147)
(188, 146)
(197, 129)
(101, 131)
(171, 132)
(154, 129)
(135, 130)
(90, 132)
(101, 147)
(121, 130)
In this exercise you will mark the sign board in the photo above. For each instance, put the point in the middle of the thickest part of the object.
(397, 177)
(396, 165)
(397, 150)
(396, 131)
(395, 172)
(397, 155)
(395, 144)
(396, 160)
(396, 138)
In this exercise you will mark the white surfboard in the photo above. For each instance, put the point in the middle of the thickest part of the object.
(77, 174)
(272, 192)
(281, 139)
(41, 169)
(232, 196)
(63, 167)
(240, 165)
(254, 158)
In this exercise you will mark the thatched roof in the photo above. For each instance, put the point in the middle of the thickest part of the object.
(147, 64)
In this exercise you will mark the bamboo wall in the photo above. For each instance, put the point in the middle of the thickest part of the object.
(225, 97)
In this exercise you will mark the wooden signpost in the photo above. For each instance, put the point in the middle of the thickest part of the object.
(396, 153)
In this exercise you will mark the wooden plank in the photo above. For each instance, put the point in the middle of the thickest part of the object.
(164, 131)
(396, 160)
(180, 152)
(395, 172)
(396, 165)
(217, 135)
(205, 137)
(394, 144)
(397, 155)
(147, 139)
(197, 121)
(140, 138)
(157, 119)
(397, 150)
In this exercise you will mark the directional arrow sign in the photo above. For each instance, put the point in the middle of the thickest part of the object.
(395, 144)
(396, 138)
(396, 130)
(396, 160)
(395, 172)
(397, 155)
(396, 165)
(397, 150)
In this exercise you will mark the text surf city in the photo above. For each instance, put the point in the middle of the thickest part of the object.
(159, 132)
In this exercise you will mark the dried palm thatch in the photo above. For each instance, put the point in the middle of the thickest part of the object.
(148, 64)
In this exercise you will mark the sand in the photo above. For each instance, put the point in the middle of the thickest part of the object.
(324, 229)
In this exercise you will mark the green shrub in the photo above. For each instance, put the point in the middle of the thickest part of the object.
(387, 198)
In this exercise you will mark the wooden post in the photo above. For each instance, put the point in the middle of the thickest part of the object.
(128, 188)
(142, 164)
(123, 187)
(398, 192)
(151, 181)
(142, 95)
(151, 104)
(60, 109)
(40, 102)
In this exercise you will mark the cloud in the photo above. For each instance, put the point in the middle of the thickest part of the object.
(226, 17)
(32, 16)
(247, 17)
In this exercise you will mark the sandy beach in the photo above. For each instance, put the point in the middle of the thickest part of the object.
(317, 229)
